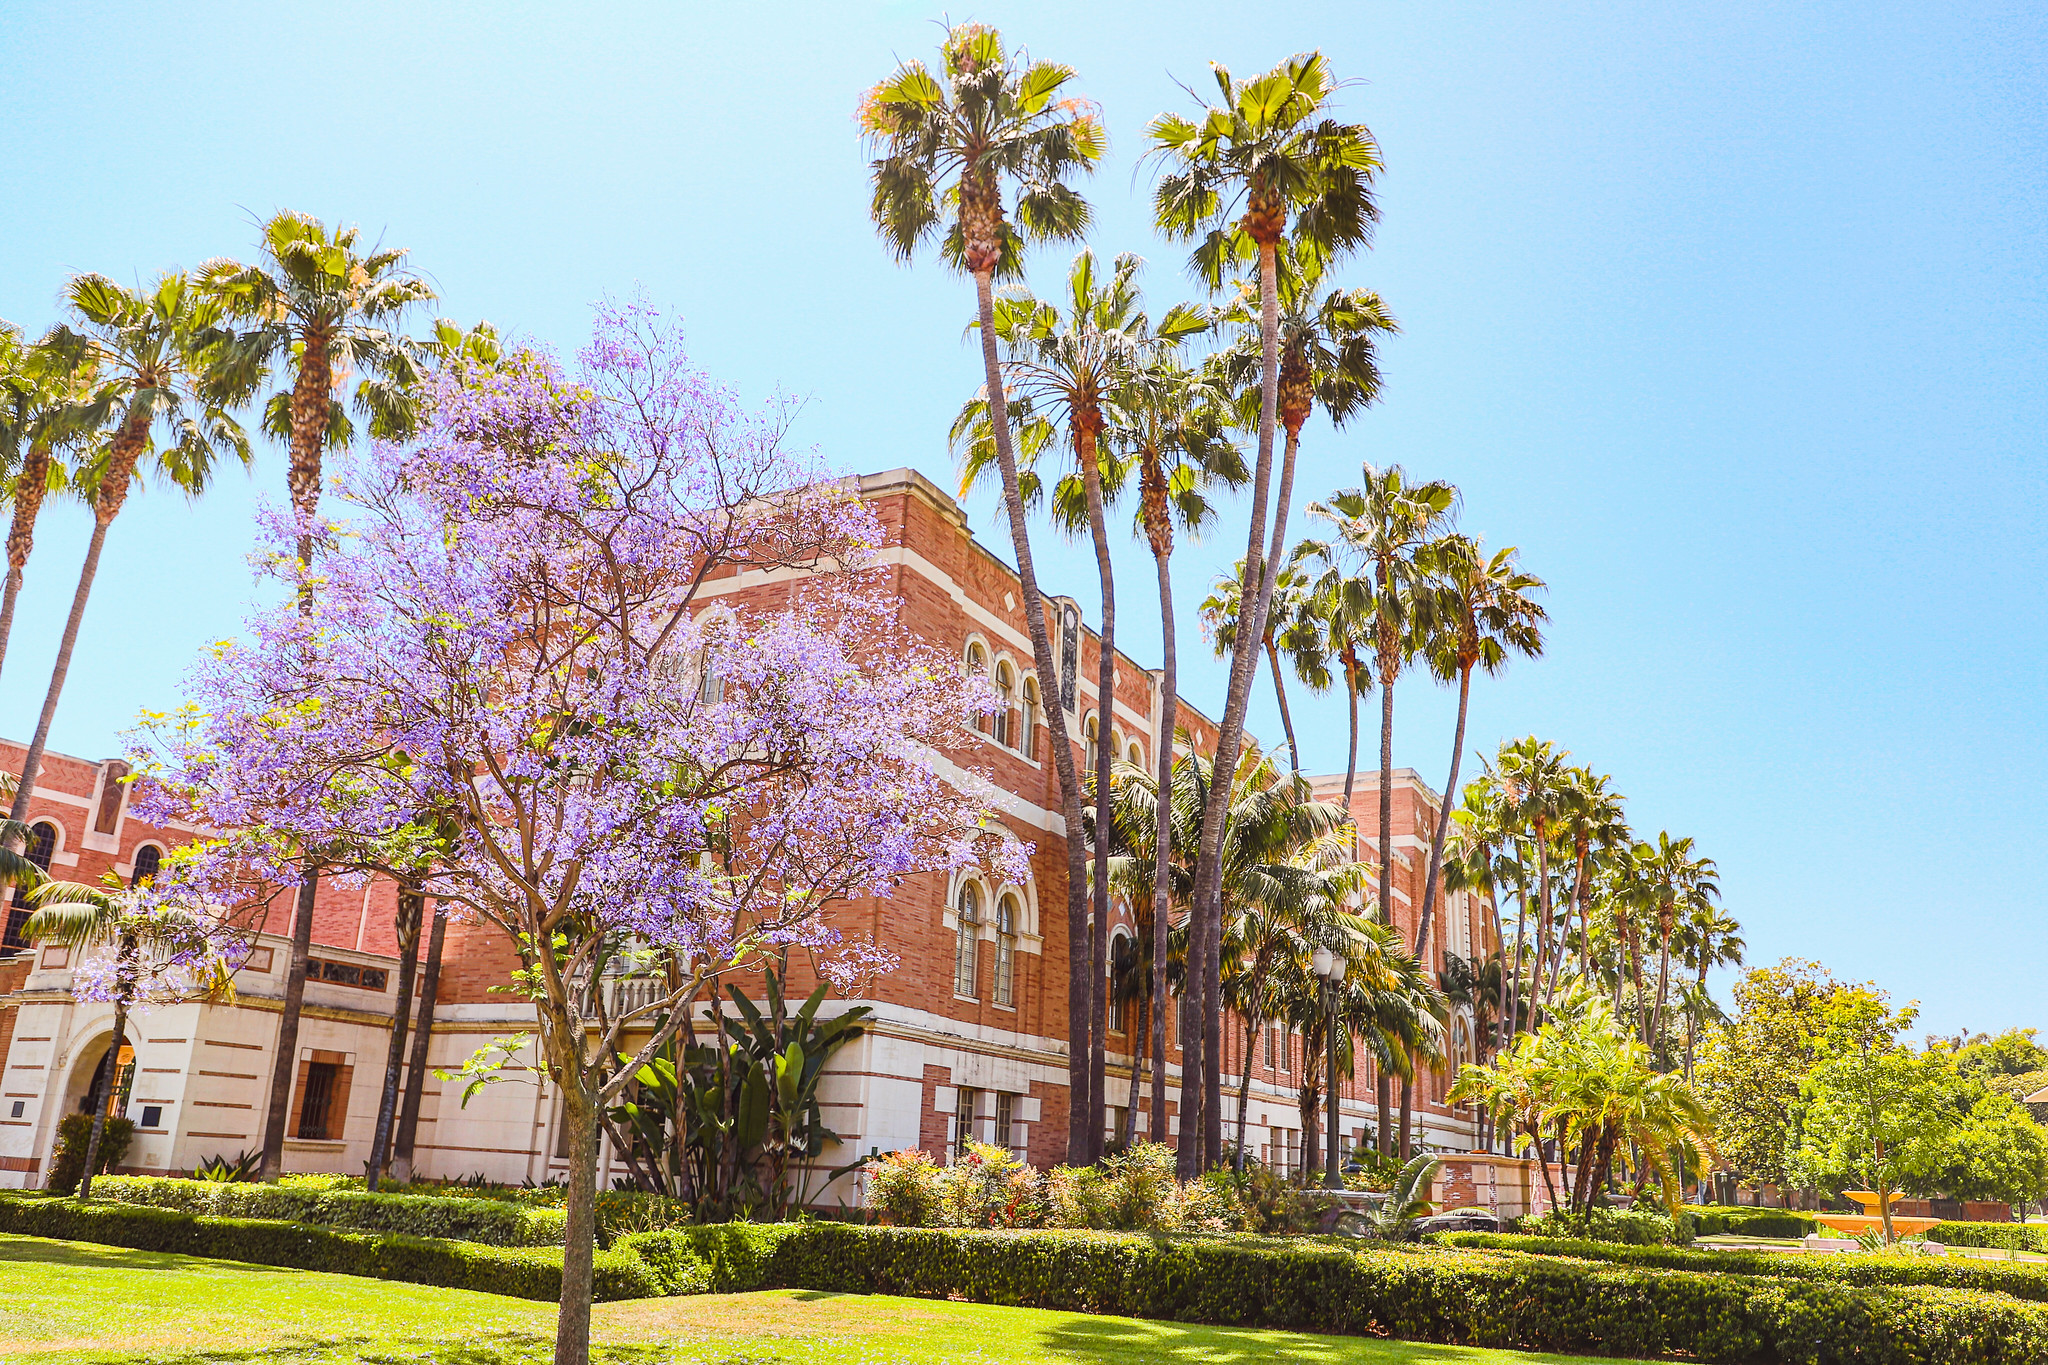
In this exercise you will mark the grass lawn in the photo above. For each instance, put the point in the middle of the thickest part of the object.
(72, 1301)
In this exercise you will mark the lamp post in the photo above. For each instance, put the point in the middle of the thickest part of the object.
(1329, 967)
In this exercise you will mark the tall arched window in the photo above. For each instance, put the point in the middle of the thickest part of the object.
(148, 859)
(1136, 754)
(1122, 962)
(1006, 950)
(1027, 718)
(1006, 701)
(966, 947)
(977, 667)
(1089, 749)
(42, 847)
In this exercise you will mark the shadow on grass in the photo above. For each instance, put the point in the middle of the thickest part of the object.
(1123, 1339)
(93, 1255)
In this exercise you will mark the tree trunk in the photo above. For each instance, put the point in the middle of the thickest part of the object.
(124, 971)
(29, 487)
(1162, 846)
(1383, 1096)
(410, 906)
(1207, 914)
(1286, 720)
(1406, 1120)
(1244, 1089)
(1105, 756)
(579, 1246)
(32, 764)
(422, 1037)
(1386, 849)
(1664, 927)
(1047, 668)
(285, 1070)
(1443, 817)
(1692, 1018)
(1543, 1164)
(1137, 1042)
(1351, 753)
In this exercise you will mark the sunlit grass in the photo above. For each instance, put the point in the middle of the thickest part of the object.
(75, 1302)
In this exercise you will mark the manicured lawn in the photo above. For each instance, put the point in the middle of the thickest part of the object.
(70, 1301)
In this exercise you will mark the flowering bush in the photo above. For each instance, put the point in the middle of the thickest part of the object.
(903, 1189)
(988, 1187)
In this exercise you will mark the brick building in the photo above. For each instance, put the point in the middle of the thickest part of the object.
(967, 1036)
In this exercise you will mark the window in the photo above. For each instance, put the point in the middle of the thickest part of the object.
(1027, 719)
(963, 1121)
(1006, 701)
(711, 682)
(1122, 951)
(42, 846)
(152, 1116)
(259, 960)
(1005, 1116)
(1006, 950)
(148, 859)
(1287, 1051)
(1136, 755)
(977, 667)
(112, 791)
(347, 974)
(1270, 1032)
(966, 947)
(321, 1107)
(1093, 744)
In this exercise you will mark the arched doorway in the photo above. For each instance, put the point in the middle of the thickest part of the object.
(103, 1077)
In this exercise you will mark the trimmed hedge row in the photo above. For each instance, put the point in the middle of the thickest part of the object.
(487, 1221)
(1424, 1294)
(1734, 1220)
(520, 1272)
(1997, 1236)
(2020, 1281)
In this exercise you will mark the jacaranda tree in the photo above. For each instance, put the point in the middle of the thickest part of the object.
(515, 641)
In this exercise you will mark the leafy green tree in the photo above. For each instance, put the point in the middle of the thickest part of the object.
(990, 123)
(1293, 632)
(1872, 1110)
(1750, 1068)
(42, 385)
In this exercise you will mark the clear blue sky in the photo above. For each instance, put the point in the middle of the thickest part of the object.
(1730, 316)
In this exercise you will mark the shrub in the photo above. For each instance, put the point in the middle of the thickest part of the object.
(1742, 1221)
(1139, 1191)
(989, 1188)
(1997, 1236)
(1630, 1227)
(74, 1135)
(469, 1220)
(2019, 1281)
(521, 1272)
(903, 1188)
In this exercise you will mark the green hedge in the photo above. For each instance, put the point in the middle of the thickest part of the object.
(1719, 1220)
(1998, 1236)
(520, 1272)
(1425, 1294)
(2020, 1281)
(415, 1215)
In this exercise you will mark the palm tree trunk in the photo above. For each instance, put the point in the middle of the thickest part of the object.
(1663, 981)
(422, 1037)
(1443, 816)
(1162, 841)
(1579, 904)
(1252, 1024)
(1207, 913)
(1351, 754)
(33, 763)
(1105, 756)
(284, 1072)
(1383, 1095)
(29, 487)
(1692, 1019)
(1079, 1100)
(1130, 1122)
(410, 906)
(124, 975)
(1280, 695)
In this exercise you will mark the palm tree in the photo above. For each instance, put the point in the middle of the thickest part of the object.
(41, 388)
(1060, 371)
(1672, 883)
(1716, 942)
(996, 122)
(1167, 422)
(1485, 610)
(1264, 165)
(150, 940)
(1392, 527)
(319, 308)
(163, 396)
(1594, 821)
(1292, 629)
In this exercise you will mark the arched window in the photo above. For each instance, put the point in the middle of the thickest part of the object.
(1136, 754)
(1027, 718)
(710, 679)
(1006, 951)
(966, 947)
(148, 859)
(1123, 954)
(1093, 745)
(1006, 700)
(42, 847)
(977, 667)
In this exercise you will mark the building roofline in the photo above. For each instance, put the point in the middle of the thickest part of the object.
(1369, 778)
(886, 481)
